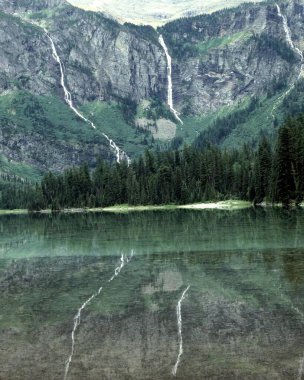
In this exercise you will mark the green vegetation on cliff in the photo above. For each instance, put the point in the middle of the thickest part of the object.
(42, 132)
(252, 119)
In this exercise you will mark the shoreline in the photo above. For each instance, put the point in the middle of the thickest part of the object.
(229, 205)
(222, 205)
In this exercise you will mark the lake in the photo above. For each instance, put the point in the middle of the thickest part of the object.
(152, 295)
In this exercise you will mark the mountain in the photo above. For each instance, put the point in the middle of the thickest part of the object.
(108, 68)
(76, 85)
(151, 12)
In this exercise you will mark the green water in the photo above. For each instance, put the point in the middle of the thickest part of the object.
(242, 317)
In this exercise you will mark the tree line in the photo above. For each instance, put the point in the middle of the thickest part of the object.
(273, 173)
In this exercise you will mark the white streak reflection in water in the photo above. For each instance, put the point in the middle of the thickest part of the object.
(124, 259)
(180, 328)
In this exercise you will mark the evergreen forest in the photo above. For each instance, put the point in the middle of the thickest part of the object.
(274, 172)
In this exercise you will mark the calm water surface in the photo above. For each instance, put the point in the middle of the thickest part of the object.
(241, 318)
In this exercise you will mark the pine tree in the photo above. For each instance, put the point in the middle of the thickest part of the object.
(284, 177)
(262, 170)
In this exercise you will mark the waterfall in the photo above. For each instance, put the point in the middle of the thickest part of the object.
(123, 261)
(180, 326)
(169, 77)
(120, 154)
(288, 37)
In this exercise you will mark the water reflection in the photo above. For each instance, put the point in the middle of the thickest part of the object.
(243, 316)
(151, 232)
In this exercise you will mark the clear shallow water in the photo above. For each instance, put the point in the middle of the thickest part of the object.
(242, 317)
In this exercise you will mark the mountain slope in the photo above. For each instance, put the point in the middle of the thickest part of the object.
(225, 57)
(117, 77)
(27, 63)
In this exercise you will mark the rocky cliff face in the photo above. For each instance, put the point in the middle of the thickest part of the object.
(233, 55)
(218, 60)
(102, 59)
(105, 60)
(26, 61)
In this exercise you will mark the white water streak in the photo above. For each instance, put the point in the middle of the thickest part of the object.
(180, 327)
(288, 37)
(120, 154)
(76, 324)
(169, 76)
(123, 261)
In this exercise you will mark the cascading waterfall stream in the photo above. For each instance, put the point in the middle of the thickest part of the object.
(120, 154)
(169, 76)
(180, 329)
(288, 37)
(123, 261)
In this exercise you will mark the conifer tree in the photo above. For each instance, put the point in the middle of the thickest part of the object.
(285, 188)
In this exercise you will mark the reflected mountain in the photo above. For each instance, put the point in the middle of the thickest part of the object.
(242, 317)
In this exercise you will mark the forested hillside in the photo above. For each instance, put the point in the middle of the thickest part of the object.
(178, 177)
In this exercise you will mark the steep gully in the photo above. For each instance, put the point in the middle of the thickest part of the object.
(123, 261)
(290, 43)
